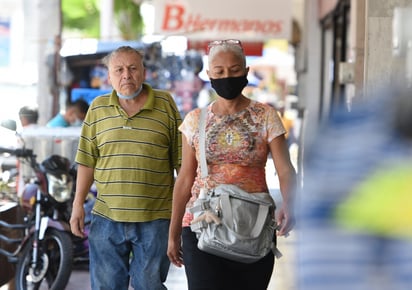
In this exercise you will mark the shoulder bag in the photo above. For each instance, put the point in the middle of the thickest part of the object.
(230, 222)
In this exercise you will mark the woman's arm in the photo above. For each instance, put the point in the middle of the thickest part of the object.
(181, 195)
(287, 181)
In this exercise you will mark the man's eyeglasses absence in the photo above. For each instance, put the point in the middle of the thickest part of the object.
(223, 42)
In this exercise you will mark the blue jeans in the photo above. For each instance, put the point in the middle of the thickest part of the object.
(121, 250)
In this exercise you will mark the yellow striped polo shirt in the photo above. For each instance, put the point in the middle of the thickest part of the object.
(133, 157)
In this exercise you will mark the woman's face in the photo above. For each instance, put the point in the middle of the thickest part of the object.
(126, 72)
(226, 64)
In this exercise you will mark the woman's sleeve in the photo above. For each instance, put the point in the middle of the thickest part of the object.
(189, 125)
(274, 124)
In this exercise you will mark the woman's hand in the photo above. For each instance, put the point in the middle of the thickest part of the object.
(285, 220)
(174, 252)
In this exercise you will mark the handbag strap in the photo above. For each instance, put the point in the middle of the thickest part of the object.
(202, 142)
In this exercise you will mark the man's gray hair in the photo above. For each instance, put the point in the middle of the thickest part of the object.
(122, 49)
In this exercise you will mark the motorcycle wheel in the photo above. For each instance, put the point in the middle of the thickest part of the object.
(54, 266)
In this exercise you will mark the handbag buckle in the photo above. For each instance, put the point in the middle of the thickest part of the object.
(218, 208)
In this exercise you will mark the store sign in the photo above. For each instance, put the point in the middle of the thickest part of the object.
(251, 20)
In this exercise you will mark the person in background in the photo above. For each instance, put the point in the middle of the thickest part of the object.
(28, 116)
(241, 133)
(73, 115)
(355, 209)
(130, 146)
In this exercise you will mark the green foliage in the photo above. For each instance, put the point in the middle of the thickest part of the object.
(81, 15)
(84, 16)
(128, 19)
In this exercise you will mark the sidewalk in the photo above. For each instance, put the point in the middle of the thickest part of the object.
(282, 277)
(283, 272)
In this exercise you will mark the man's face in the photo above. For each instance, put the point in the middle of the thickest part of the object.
(126, 72)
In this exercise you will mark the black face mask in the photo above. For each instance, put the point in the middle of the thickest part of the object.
(229, 88)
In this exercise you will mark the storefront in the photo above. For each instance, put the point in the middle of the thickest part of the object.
(86, 76)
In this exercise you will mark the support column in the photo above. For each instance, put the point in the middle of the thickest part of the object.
(48, 43)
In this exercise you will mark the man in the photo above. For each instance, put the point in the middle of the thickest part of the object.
(130, 146)
(72, 116)
(28, 116)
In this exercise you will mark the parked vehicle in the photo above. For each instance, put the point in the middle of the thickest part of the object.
(46, 252)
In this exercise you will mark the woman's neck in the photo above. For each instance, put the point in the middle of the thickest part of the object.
(228, 107)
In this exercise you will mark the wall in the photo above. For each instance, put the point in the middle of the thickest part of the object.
(308, 67)
(34, 24)
(381, 67)
(357, 44)
(371, 52)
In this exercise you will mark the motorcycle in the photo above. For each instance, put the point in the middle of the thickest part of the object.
(46, 253)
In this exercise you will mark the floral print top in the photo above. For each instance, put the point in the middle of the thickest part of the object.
(237, 147)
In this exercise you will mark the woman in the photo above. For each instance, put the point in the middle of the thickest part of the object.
(240, 134)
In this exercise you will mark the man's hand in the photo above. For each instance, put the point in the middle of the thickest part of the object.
(77, 220)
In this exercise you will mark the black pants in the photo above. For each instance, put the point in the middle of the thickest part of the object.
(208, 272)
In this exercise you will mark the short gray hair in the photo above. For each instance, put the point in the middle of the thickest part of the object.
(227, 47)
(122, 49)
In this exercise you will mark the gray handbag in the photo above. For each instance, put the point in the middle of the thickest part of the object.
(230, 222)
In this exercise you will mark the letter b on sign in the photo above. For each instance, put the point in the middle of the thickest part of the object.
(173, 18)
